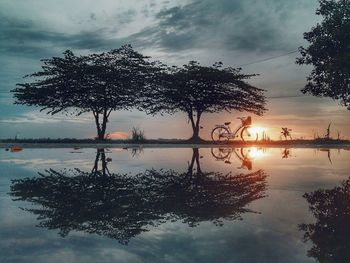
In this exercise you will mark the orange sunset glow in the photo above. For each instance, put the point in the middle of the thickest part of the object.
(119, 135)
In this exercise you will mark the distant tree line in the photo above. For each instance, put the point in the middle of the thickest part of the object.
(124, 79)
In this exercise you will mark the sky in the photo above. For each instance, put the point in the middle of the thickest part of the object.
(258, 35)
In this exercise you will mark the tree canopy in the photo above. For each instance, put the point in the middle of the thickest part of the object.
(195, 89)
(329, 52)
(122, 79)
(330, 233)
(98, 83)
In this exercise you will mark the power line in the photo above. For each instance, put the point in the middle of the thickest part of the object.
(267, 59)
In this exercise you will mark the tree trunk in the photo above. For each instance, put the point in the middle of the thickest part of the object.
(191, 164)
(195, 127)
(194, 160)
(101, 125)
(103, 162)
(100, 156)
(95, 168)
(196, 157)
(104, 124)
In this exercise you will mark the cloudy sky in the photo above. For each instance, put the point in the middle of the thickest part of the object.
(248, 33)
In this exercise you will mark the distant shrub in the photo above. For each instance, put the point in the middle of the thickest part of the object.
(137, 135)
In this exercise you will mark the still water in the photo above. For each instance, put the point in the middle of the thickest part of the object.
(175, 205)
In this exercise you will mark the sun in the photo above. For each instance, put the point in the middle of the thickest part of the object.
(257, 130)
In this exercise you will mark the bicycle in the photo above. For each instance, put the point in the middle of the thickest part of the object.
(224, 154)
(223, 133)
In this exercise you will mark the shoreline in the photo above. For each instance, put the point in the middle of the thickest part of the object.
(288, 144)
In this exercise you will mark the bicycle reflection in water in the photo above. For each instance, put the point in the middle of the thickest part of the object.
(245, 155)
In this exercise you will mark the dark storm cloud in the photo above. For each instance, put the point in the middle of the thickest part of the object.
(27, 38)
(92, 16)
(225, 24)
(22, 36)
(230, 24)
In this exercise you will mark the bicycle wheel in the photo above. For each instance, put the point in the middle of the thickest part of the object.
(220, 153)
(247, 136)
(220, 134)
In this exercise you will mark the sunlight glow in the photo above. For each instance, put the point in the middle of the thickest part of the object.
(254, 153)
(256, 129)
(119, 135)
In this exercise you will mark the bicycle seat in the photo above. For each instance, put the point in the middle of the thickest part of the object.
(227, 123)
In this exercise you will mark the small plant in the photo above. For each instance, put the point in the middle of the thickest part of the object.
(137, 135)
(265, 137)
(328, 132)
(286, 133)
(286, 153)
(327, 136)
(338, 135)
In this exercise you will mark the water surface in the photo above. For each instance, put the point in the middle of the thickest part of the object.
(175, 205)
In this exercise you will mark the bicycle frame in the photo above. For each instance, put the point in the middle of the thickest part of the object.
(232, 135)
(224, 131)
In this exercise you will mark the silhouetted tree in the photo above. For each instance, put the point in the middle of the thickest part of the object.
(97, 83)
(330, 233)
(286, 133)
(329, 52)
(122, 206)
(195, 89)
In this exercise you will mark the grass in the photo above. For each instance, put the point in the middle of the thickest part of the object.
(137, 135)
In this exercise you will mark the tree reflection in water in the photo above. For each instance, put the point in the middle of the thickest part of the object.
(330, 233)
(121, 206)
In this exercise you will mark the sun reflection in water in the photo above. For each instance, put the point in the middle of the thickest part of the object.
(254, 153)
